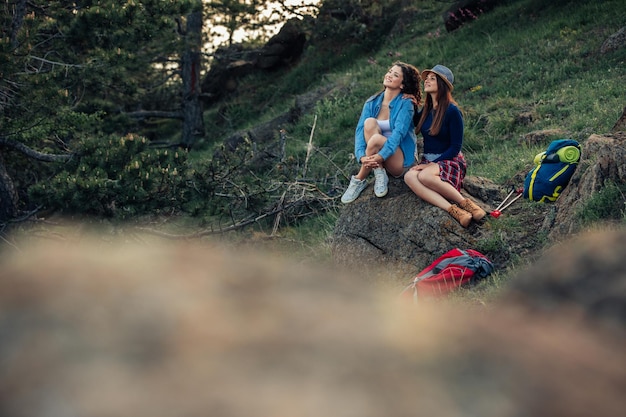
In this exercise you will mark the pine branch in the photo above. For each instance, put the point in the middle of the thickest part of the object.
(31, 153)
(144, 114)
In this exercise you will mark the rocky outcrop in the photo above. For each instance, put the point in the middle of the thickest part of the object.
(232, 63)
(614, 42)
(285, 47)
(465, 11)
(403, 231)
(602, 163)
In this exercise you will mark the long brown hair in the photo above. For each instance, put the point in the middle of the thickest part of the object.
(444, 98)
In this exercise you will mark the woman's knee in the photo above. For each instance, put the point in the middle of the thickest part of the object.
(371, 123)
(429, 176)
(370, 127)
(411, 178)
(428, 179)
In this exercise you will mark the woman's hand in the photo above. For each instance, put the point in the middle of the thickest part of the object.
(411, 97)
(372, 161)
(419, 167)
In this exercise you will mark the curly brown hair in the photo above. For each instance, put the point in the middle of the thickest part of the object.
(411, 80)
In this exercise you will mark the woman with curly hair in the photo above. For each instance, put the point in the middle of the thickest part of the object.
(384, 140)
(438, 177)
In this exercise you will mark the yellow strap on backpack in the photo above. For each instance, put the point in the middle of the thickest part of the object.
(539, 157)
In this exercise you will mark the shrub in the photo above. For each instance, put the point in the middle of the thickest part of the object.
(117, 177)
(607, 204)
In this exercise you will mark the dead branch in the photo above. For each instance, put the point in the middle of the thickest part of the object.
(309, 148)
(300, 195)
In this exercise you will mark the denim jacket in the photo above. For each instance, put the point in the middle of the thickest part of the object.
(401, 121)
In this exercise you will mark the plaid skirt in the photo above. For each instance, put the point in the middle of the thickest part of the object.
(452, 170)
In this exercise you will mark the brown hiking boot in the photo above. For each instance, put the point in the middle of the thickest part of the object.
(471, 207)
(461, 216)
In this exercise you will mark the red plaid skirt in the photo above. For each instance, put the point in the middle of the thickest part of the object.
(452, 170)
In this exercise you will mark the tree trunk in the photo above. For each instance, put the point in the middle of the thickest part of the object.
(18, 20)
(193, 123)
(8, 195)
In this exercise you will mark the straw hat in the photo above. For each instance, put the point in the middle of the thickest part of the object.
(443, 72)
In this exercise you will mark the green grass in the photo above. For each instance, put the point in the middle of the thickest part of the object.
(608, 204)
(525, 57)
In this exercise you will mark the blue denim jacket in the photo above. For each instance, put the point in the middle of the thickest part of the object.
(401, 121)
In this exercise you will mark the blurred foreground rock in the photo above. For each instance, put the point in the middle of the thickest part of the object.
(97, 330)
(584, 278)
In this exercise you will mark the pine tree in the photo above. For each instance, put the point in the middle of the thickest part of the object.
(63, 63)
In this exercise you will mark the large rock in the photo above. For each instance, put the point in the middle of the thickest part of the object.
(400, 228)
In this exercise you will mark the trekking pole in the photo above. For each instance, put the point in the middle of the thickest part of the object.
(496, 213)
(505, 198)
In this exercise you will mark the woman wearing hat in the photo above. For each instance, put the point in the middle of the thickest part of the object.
(439, 175)
(384, 139)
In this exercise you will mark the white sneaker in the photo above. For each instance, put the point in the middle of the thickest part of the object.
(354, 190)
(381, 182)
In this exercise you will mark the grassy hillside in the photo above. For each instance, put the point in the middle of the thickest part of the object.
(527, 65)
(519, 58)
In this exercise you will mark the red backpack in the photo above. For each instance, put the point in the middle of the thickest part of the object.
(451, 270)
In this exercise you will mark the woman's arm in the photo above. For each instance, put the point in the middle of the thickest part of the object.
(401, 122)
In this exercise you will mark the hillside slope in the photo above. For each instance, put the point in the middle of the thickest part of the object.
(527, 72)
(526, 66)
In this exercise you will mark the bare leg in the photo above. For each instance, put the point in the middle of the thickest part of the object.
(395, 163)
(375, 141)
(431, 179)
(428, 186)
